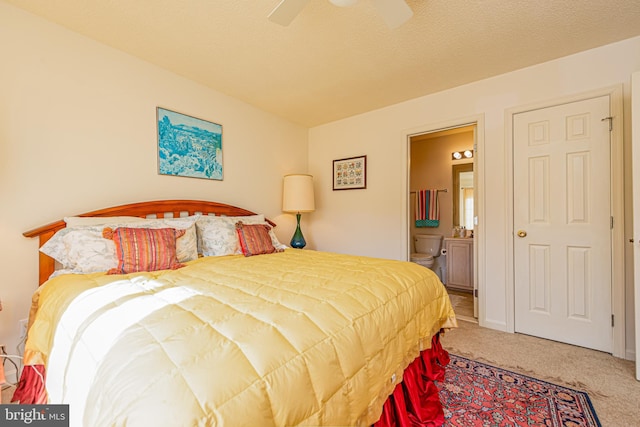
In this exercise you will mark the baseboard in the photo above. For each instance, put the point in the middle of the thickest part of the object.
(466, 319)
(498, 326)
(630, 354)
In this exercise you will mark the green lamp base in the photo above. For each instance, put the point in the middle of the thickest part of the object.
(297, 241)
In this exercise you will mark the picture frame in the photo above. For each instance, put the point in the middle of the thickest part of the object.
(188, 146)
(350, 173)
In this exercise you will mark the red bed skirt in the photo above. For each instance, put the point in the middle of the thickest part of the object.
(30, 390)
(414, 402)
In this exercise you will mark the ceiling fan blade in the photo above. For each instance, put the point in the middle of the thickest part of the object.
(393, 12)
(284, 13)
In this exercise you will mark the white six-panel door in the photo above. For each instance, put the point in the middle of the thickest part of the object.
(562, 223)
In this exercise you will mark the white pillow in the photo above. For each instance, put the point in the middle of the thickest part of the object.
(274, 240)
(84, 221)
(217, 235)
(84, 250)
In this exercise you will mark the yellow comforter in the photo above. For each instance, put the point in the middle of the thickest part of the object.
(292, 338)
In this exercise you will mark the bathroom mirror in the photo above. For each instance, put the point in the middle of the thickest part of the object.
(462, 198)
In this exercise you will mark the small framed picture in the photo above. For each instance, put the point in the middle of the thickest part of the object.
(350, 173)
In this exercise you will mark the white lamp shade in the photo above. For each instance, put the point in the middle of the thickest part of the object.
(297, 193)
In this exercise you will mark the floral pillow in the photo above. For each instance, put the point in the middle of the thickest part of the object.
(81, 250)
(144, 249)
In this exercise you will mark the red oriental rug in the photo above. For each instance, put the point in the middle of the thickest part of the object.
(476, 394)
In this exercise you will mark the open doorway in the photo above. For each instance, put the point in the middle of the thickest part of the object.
(441, 171)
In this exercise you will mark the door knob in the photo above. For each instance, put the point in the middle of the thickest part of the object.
(522, 233)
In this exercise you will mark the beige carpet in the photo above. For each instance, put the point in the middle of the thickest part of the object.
(609, 381)
(7, 392)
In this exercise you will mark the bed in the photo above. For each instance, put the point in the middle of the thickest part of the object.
(201, 317)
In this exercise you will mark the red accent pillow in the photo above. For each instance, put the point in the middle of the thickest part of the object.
(254, 239)
(144, 249)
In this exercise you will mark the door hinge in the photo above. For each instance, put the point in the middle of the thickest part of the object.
(611, 223)
(475, 293)
(612, 322)
(610, 118)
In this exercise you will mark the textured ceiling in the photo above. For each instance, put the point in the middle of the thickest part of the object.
(332, 62)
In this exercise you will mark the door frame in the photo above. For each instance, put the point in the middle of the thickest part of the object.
(615, 94)
(635, 241)
(479, 252)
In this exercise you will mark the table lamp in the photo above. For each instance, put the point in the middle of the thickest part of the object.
(297, 196)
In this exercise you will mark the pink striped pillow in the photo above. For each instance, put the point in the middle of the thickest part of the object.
(144, 249)
(255, 239)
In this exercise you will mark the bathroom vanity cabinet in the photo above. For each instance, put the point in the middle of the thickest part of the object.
(459, 263)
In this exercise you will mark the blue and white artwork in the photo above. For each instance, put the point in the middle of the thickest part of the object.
(188, 146)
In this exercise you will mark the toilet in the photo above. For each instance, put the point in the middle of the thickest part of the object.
(427, 248)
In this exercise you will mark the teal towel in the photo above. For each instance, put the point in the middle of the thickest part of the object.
(427, 223)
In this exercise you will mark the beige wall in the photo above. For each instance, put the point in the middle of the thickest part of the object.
(373, 221)
(78, 133)
(430, 168)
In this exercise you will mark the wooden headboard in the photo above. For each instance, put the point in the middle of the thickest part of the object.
(157, 209)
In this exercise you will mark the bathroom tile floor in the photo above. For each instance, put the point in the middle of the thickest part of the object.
(462, 304)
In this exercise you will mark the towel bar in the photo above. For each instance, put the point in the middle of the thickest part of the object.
(444, 190)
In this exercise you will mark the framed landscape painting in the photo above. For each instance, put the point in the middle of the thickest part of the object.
(188, 146)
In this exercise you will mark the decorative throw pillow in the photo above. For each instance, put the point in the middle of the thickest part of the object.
(217, 235)
(254, 239)
(144, 249)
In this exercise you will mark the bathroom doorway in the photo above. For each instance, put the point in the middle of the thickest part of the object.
(441, 169)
